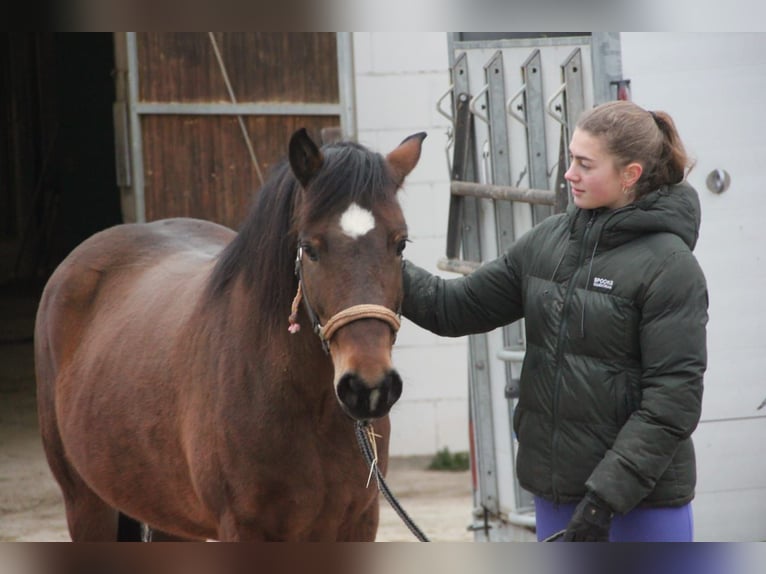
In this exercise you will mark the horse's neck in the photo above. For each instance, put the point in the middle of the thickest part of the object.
(296, 361)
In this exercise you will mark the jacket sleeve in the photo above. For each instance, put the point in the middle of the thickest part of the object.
(481, 301)
(673, 361)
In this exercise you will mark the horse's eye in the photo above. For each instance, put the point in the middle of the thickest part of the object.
(310, 251)
(400, 246)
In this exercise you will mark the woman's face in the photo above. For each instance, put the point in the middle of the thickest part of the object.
(593, 177)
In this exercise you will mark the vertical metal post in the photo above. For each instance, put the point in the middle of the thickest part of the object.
(480, 388)
(494, 74)
(606, 59)
(534, 109)
(574, 95)
(134, 120)
(345, 44)
(462, 229)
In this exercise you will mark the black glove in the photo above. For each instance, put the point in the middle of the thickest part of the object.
(590, 522)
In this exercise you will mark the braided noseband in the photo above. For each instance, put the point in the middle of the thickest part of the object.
(366, 311)
(340, 319)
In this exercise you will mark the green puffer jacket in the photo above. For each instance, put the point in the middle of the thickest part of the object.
(615, 308)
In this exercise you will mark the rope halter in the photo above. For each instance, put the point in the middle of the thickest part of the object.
(341, 318)
(351, 314)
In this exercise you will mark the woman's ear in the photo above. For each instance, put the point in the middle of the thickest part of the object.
(631, 174)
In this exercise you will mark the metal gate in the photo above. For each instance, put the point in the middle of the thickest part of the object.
(201, 117)
(515, 100)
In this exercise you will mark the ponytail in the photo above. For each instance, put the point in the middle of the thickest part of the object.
(674, 165)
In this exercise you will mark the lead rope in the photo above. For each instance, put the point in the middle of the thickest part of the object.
(368, 451)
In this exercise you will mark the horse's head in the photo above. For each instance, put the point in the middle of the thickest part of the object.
(351, 233)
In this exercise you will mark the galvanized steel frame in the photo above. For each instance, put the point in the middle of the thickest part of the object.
(606, 66)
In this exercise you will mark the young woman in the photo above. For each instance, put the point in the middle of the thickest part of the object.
(615, 309)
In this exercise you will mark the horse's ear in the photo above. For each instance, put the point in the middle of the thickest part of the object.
(405, 157)
(305, 157)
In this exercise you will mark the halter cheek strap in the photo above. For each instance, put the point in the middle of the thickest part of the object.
(340, 319)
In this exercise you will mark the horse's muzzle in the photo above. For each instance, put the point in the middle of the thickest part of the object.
(365, 401)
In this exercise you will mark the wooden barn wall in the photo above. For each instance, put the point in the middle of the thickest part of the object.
(262, 67)
(199, 165)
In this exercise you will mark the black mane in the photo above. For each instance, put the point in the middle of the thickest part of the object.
(263, 253)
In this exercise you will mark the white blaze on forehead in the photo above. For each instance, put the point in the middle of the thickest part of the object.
(356, 221)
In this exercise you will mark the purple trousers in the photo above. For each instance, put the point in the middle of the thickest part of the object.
(664, 524)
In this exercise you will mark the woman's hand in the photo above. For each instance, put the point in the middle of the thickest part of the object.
(590, 522)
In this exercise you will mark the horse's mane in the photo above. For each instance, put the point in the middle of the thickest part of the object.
(263, 253)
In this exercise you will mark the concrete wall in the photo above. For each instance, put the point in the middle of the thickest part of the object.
(713, 85)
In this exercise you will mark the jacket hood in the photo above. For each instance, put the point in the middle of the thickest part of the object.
(671, 209)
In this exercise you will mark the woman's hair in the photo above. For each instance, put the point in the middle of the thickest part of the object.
(633, 134)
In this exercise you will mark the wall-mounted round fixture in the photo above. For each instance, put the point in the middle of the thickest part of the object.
(718, 180)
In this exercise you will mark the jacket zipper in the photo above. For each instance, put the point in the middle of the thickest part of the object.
(560, 354)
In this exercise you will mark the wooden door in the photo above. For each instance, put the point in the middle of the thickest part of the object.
(202, 117)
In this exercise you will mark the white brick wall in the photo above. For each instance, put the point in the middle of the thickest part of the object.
(398, 79)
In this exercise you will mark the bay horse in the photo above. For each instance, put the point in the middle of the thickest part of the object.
(174, 392)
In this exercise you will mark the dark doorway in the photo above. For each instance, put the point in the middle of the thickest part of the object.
(57, 166)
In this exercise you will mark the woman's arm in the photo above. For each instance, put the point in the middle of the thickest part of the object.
(487, 298)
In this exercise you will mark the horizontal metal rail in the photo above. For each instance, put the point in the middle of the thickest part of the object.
(511, 193)
(457, 265)
(510, 355)
(244, 109)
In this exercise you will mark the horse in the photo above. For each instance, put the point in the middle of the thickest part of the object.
(176, 388)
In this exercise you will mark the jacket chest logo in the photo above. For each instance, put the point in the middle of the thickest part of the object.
(601, 283)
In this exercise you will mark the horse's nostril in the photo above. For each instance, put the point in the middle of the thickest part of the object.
(395, 387)
(364, 401)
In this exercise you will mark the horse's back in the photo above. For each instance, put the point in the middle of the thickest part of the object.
(110, 265)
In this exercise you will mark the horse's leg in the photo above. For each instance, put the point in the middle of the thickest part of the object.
(230, 529)
(363, 529)
(90, 519)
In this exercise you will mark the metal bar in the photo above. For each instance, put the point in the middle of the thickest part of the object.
(233, 109)
(472, 105)
(136, 138)
(458, 265)
(346, 92)
(508, 192)
(480, 387)
(462, 146)
(534, 109)
(574, 95)
(462, 163)
(606, 59)
(121, 144)
(464, 169)
(501, 44)
(511, 355)
(494, 73)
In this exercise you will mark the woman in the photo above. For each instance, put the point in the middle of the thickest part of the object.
(615, 309)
